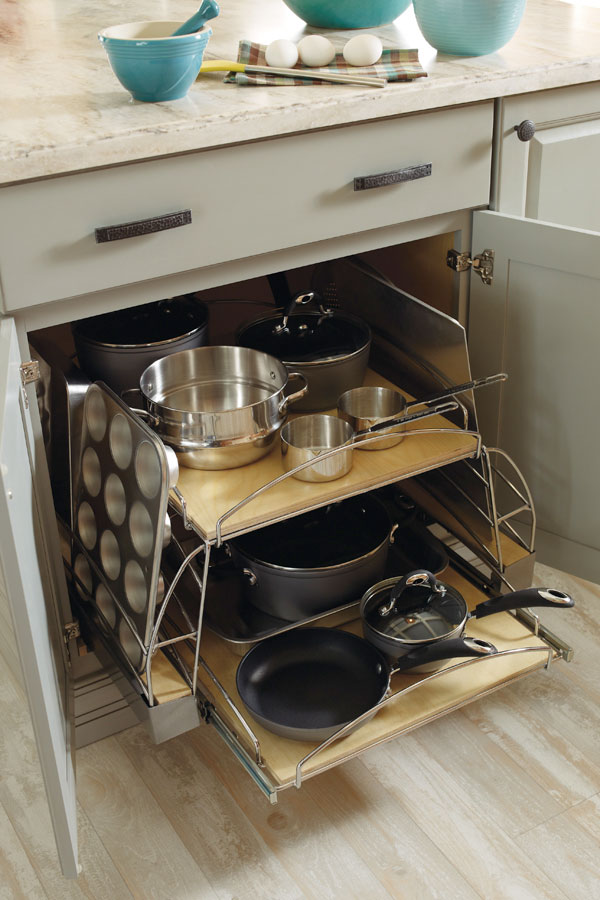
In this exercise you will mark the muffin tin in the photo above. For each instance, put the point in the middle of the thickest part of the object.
(121, 519)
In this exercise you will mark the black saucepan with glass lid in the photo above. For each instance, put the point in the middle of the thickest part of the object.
(412, 618)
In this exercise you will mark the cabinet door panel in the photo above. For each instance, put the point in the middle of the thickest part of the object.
(539, 321)
(552, 177)
(29, 605)
(562, 179)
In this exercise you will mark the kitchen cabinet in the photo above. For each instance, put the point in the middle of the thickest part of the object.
(293, 183)
(540, 317)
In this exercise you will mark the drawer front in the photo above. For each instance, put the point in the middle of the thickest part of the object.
(243, 201)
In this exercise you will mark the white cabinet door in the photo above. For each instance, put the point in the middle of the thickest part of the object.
(540, 322)
(31, 603)
(554, 176)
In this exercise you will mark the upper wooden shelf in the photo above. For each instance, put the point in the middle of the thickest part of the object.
(209, 495)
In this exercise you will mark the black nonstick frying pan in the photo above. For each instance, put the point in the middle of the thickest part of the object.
(307, 683)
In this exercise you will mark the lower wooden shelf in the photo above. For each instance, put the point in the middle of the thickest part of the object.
(436, 698)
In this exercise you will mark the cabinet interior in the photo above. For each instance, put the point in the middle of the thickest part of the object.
(419, 268)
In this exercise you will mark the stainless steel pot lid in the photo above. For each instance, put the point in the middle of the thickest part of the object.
(419, 614)
(146, 325)
(310, 337)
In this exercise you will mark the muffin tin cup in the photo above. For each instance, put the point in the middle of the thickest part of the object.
(121, 520)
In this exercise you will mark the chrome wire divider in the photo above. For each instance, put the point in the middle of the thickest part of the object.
(155, 642)
(326, 455)
(491, 518)
(350, 726)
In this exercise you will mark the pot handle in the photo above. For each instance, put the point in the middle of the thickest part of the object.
(444, 649)
(300, 299)
(519, 599)
(133, 390)
(439, 410)
(154, 421)
(291, 398)
(418, 577)
(458, 389)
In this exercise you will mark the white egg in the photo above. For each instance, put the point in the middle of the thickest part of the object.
(363, 50)
(316, 50)
(282, 54)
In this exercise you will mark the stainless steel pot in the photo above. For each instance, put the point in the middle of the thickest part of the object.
(317, 561)
(329, 347)
(117, 347)
(218, 407)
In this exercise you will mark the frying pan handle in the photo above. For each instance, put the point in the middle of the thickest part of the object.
(458, 389)
(291, 398)
(445, 649)
(519, 599)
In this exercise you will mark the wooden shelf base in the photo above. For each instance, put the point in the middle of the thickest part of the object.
(434, 699)
(209, 495)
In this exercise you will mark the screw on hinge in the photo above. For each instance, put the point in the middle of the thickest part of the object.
(71, 631)
(483, 263)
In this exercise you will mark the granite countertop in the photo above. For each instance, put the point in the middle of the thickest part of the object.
(62, 109)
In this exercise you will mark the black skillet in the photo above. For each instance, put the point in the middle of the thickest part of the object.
(307, 683)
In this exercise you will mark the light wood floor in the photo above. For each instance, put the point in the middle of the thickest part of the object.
(498, 800)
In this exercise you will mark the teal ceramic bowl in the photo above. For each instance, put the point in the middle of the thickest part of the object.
(149, 63)
(468, 27)
(347, 13)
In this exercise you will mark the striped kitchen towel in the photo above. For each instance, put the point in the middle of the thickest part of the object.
(395, 65)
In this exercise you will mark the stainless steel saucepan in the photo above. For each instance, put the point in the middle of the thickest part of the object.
(313, 436)
(219, 407)
(363, 407)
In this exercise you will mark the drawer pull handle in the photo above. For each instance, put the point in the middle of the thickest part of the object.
(410, 173)
(143, 226)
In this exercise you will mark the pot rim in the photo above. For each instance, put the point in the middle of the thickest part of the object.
(158, 408)
(106, 345)
(322, 569)
(398, 641)
(79, 330)
(316, 570)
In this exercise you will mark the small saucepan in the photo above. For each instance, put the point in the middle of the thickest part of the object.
(310, 437)
(412, 619)
(308, 683)
(363, 407)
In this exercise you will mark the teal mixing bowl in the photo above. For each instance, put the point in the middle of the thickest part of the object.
(347, 13)
(151, 64)
(468, 27)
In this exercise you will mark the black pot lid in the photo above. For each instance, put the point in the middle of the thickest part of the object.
(330, 536)
(149, 323)
(420, 613)
(309, 337)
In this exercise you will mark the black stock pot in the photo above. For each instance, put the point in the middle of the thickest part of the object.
(316, 561)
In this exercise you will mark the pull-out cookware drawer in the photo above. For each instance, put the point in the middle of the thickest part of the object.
(79, 233)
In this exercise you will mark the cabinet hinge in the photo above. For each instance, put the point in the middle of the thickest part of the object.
(483, 264)
(30, 371)
(71, 631)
